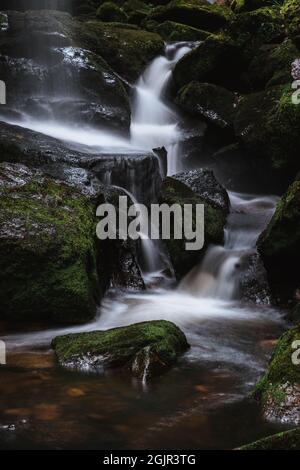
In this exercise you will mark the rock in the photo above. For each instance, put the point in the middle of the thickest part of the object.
(267, 125)
(78, 165)
(286, 440)
(109, 11)
(204, 184)
(48, 249)
(198, 14)
(145, 349)
(291, 15)
(294, 315)
(137, 10)
(279, 245)
(127, 51)
(273, 65)
(213, 103)
(176, 192)
(172, 31)
(92, 93)
(279, 390)
(216, 60)
(241, 6)
(253, 282)
(253, 29)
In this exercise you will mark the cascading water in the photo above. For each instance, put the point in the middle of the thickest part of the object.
(154, 123)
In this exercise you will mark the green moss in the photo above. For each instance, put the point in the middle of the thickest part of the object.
(286, 440)
(172, 31)
(127, 51)
(291, 15)
(48, 256)
(161, 341)
(241, 6)
(109, 11)
(193, 13)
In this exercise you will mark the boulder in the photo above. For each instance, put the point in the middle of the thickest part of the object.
(198, 14)
(285, 440)
(213, 103)
(279, 244)
(241, 6)
(144, 349)
(172, 31)
(253, 281)
(48, 249)
(109, 11)
(175, 191)
(216, 60)
(291, 15)
(267, 125)
(279, 390)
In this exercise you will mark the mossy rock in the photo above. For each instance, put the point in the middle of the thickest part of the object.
(241, 6)
(197, 14)
(48, 249)
(175, 191)
(216, 60)
(291, 15)
(172, 31)
(268, 125)
(286, 440)
(145, 349)
(109, 11)
(213, 103)
(279, 389)
(137, 10)
(279, 245)
(253, 29)
(127, 51)
(272, 65)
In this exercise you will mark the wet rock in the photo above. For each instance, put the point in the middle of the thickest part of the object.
(145, 349)
(253, 282)
(217, 60)
(172, 31)
(214, 104)
(109, 11)
(204, 184)
(175, 191)
(279, 245)
(286, 440)
(291, 14)
(279, 390)
(48, 250)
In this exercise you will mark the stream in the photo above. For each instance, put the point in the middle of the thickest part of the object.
(204, 401)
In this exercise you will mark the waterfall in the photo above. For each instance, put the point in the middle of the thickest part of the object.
(154, 123)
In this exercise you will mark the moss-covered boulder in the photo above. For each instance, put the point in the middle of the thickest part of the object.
(213, 103)
(268, 125)
(195, 187)
(198, 14)
(253, 29)
(145, 349)
(279, 245)
(172, 31)
(286, 440)
(291, 14)
(109, 11)
(279, 389)
(48, 267)
(272, 65)
(127, 51)
(216, 60)
(241, 6)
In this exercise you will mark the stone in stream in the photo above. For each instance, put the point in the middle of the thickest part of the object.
(285, 440)
(279, 390)
(145, 349)
(253, 280)
(53, 268)
(195, 187)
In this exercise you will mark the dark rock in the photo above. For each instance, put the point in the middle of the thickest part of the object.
(279, 390)
(145, 349)
(253, 282)
(109, 11)
(172, 31)
(286, 440)
(291, 14)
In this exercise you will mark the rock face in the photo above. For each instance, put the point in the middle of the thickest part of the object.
(279, 389)
(279, 245)
(48, 249)
(291, 13)
(146, 349)
(191, 191)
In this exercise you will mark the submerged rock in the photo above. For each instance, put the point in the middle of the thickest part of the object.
(145, 349)
(175, 191)
(279, 245)
(286, 440)
(48, 249)
(279, 389)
